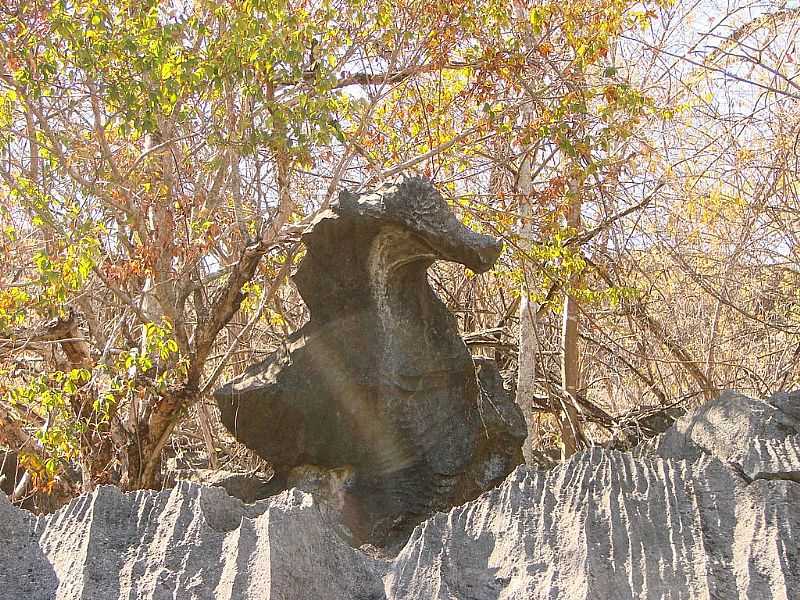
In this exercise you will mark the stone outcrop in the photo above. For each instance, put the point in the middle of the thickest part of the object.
(248, 487)
(761, 439)
(379, 381)
(680, 519)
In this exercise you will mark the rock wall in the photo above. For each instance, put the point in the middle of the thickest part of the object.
(711, 509)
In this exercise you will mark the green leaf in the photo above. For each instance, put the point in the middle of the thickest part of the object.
(167, 69)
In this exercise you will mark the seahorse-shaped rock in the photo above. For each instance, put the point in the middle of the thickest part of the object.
(379, 379)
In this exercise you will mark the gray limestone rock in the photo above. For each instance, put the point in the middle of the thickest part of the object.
(379, 380)
(192, 542)
(760, 438)
(605, 524)
(25, 571)
(247, 487)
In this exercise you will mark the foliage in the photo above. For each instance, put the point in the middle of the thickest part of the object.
(160, 156)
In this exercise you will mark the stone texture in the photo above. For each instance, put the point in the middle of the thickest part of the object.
(247, 487)
(190, 543)
(379, 380)
(605, 524)
(757, 437)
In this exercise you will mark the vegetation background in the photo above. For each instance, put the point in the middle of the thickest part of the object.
(159, 158)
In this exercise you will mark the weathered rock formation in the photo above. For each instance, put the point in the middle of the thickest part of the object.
(379, 381)
(758, 438)
(718, 518)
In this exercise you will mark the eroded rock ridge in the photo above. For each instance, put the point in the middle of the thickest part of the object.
(692, 516)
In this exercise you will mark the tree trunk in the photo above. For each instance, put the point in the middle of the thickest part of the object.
(96, 445)
(143, 456)
(150, 432)
(571, 435)
(528, 340)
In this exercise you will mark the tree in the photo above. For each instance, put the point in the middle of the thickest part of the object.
(154, 161)
(158, 162)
